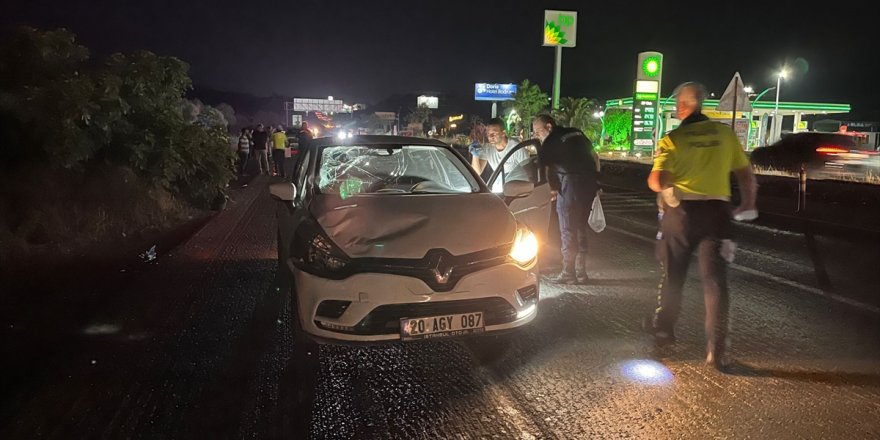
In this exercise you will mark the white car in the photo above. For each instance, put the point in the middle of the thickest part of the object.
(395, 238)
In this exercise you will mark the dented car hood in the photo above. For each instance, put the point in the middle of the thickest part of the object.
(407, 226)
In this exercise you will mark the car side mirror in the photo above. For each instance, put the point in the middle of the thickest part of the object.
(518, 188)
(285, 192)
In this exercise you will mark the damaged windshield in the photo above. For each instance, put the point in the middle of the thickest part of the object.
(396, 169)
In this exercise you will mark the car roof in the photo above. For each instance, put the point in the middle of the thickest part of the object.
(378, 140)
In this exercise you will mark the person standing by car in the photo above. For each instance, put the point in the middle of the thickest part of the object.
(279, 147)
(244, 150)
(691, 170)
(573, 172)
(304, 136)
(260, 139)
(499, 146)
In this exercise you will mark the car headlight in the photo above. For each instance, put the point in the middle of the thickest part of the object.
(525, 246)
(315, 253)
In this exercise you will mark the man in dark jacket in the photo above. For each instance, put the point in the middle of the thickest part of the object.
(261, 139)
(304, 136)
(573, 171)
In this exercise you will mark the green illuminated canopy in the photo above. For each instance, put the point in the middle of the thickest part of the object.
(669, 103)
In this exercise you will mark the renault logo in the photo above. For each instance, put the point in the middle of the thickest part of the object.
(441, 274)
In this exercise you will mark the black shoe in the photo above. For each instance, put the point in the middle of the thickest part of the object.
(583, 278)
(661, 338)
(564, 278)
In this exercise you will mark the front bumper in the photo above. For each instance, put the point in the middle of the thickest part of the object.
(368, 307)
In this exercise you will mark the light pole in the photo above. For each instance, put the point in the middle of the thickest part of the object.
(755, 101)
(762, 94)
(600, 115)
(777, 124)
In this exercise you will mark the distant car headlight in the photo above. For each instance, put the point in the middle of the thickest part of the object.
(313, 252)
(525, 247)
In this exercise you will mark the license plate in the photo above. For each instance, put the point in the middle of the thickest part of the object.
(441, 326)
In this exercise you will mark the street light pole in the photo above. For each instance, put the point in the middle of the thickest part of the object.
(557, 78)
(755, 101)
(777, 124)
(762, 94)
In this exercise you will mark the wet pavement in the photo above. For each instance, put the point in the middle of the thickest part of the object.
(201, 345)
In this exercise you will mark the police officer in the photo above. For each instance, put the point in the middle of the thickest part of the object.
(573, 172)
(691, 171)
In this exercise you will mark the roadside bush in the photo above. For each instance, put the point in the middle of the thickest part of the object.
(68, 125)
(618, 125)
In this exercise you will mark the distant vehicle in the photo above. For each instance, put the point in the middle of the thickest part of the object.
(388, 238)
(828, 152)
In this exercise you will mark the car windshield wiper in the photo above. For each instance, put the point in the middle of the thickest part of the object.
(428, 191)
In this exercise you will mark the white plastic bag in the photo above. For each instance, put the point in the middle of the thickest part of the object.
(597, 216)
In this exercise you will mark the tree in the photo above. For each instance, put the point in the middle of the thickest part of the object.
(60, 111)
(419, 115)
(197, 112)
(529, 101)
(422, 117)
(579, 113)
(618, 125)
(228, 113)
(47, 102)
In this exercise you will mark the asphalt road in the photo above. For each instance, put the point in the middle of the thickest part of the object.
(200, 345)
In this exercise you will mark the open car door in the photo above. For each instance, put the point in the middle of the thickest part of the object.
(530, 208)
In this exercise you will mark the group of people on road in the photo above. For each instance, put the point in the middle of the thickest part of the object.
(691, 170)
(258, 141)
(690, 174)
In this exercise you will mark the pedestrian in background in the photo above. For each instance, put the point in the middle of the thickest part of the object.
(244, 150)
(573, 173)
(304, 136)
(279, 150)
(260, 139)
(691, 171)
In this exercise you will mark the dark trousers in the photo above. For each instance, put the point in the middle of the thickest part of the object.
(694, 225)
(278, 158)
(243, 162)
(573, 205)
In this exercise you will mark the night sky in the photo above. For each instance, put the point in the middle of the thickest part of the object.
(363, 51)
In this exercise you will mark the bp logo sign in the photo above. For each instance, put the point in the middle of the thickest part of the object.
(651, 66)
(560, 28)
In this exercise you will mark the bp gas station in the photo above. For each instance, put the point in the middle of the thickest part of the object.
(756, 119)
(757, 122)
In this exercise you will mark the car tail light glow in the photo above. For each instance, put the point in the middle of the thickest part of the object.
(831, 149)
